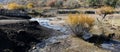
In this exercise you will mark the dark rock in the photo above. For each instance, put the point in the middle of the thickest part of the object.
(20, 37)
(99, 39)
(34, 23)
(11, 14)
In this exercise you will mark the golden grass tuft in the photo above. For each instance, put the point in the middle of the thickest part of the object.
(82, 19)
(13, 6)
(80, 23)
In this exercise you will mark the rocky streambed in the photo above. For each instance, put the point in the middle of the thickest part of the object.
(62, 42)
(46, 35)
(22, 35)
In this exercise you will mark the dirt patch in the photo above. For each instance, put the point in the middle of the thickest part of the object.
(71, 44)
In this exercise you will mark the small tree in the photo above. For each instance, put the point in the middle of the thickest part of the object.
(105, 10)
(80, 23)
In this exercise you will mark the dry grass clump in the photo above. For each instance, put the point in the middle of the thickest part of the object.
(13, 6)
(80, 23)
(81, 19)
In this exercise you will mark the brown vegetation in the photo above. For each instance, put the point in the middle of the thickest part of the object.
(80, 23)
(13, 6)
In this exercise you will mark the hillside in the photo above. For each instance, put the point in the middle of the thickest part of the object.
(66, 3)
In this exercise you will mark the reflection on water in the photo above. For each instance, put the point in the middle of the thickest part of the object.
(111, 45)
(46, 23)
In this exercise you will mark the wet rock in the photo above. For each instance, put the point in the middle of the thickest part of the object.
(21, 36)
(13, 17)
(99, 39)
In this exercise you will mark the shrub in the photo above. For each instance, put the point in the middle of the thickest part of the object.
(30, 5)
(80, 23)
(13, 6)
(1, 6)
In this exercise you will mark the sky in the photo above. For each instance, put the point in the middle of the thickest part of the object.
(1, 0)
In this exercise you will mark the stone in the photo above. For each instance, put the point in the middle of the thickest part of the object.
(13, 14)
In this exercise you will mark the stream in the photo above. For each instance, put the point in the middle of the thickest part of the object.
(112, 45)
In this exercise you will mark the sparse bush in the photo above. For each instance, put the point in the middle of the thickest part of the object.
(80, 23)
(105, 10)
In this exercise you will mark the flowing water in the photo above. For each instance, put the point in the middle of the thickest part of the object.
(112, 45)
(46, 22)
